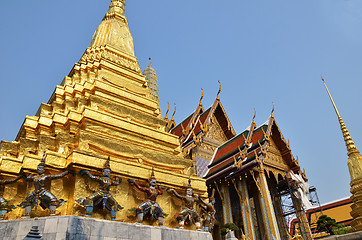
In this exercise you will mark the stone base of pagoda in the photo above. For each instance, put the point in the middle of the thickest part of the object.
(350, 236)
(81, 228)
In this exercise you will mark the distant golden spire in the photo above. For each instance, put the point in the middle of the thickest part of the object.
(351, 148)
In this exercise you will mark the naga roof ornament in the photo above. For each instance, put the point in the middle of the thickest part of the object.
(168, 109)
(218, 93)
(202, 96)
(174, 112)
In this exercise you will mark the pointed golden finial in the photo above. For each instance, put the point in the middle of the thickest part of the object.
(202, 96)
(106, 164)
(174, 112)
(42, 161)
(254, 115)
(218, 93)
(117, 6)
(351, 148)
(168, 109)
(113, 31)
(273, 109)
(183, 129)
(153, 174)
(149, 62)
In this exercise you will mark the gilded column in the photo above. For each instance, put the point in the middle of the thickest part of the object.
(246, 210)
(269, 218)
(302, 219)
(283, 226)
(226, 208)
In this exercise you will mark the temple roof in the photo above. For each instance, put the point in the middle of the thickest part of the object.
(245, 151)
(196, 124)
(113, 30)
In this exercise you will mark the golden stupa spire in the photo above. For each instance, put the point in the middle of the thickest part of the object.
(117, 7)
(351, 148)
(113, 30)
(355, 171)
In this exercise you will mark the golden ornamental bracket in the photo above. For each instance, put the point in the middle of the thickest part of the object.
(239, 193)
(237, 164)
(266, 136)
(256, 183)
(201, 125)
(218, 190)
(262, 149)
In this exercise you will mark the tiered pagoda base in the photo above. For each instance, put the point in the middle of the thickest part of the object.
(81, 228)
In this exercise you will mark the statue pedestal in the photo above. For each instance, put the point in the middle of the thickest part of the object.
(231, 236)
(81, 228)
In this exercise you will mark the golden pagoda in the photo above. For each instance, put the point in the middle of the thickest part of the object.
(103, 108)
(355, 170)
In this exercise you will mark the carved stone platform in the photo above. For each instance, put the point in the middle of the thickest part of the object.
(350, 236)
(81, 228)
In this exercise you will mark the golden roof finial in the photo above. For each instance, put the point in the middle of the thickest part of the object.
(168, 108)
(174, 112)
(273, 109)
(218, 93)
(117, 6)
(149, 62)
(351, 148)
(202, 96)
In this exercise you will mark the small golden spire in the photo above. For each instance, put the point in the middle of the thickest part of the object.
(351, 148)
(149, 62)
(273, 109)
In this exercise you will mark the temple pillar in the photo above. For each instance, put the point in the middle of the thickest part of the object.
(226, 207)
(283, 227)
(269, 218)
(302, 219)
(246, 210)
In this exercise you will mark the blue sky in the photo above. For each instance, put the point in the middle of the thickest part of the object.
(261, 51)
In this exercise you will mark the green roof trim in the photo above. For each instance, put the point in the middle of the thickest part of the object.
(233, 152)
(207, 110)
(246, 132)
(229, 164)
(182, 122)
